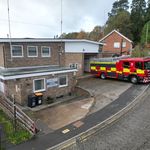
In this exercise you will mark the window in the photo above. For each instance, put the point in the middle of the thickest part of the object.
(116, 45)
(147, 65)
(139, 65)
(32, 51)
(126, 65)
(123, 44)
(17, 50)
(39, 85)
(63, 81)
(73, 66)
(46, 52)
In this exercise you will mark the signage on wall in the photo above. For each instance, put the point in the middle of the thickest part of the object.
(52, 82)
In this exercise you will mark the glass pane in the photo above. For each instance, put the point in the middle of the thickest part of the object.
(116, 45)
(126, 64)
(62, 81)
(45, 51)
(39, 84)
(32, 51)
(16, 51)
(139, 65)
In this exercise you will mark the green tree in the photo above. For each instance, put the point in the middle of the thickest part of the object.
(145, 38)
(121, 22)
(148, 11)
(138, 8)
(118, 6)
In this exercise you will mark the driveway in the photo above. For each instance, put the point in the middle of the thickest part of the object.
(104, 91)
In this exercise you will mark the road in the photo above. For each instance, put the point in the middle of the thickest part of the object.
(131, 132)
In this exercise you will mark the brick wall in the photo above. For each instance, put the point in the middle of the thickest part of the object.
(78, 58)
(25, 88)
(114, 37)
(26, 61)
(1, 56)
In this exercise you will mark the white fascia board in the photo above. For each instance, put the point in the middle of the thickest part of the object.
(35, 74)
(6, 40)
(81, 47)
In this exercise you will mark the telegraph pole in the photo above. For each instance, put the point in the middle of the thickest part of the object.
(147, 27)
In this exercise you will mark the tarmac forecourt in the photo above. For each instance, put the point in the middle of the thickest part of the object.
(87, 126)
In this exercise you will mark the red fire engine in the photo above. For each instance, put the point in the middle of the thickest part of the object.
(132, 69)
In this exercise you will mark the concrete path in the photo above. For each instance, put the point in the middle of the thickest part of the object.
(104, 91)
(72, 130)
(61, 115)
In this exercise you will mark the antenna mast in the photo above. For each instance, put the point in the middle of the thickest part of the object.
(61, 19)
(9, 36)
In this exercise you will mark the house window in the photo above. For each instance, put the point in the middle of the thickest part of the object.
(46, 52)
(73, 66)
(32, 51)
(123, 44)
(63, 81)
(116, 45)
(39, 85)
(17, 51)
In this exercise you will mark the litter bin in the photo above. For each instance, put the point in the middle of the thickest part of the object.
(39, 98)
(32, 101)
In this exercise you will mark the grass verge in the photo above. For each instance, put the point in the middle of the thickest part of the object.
(14, 137)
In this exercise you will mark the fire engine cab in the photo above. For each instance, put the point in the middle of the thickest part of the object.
(132, 69)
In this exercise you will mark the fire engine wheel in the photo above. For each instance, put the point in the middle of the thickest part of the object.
(103, 76)
(134, 79)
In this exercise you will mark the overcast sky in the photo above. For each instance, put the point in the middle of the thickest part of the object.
(41, 18)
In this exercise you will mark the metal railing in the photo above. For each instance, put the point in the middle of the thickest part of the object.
(14, 112)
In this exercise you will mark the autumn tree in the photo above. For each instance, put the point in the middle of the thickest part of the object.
(138, 8)
(96, 34)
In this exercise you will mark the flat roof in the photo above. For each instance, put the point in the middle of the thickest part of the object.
(7, 40)
(6, 74)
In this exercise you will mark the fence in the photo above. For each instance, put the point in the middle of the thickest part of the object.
(16, 113)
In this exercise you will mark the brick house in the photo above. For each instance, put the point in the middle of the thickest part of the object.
(48, 66)
(116, 43)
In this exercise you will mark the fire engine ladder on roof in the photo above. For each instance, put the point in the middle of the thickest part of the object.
(108, 59)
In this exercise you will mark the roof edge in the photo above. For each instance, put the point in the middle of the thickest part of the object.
(117, 33)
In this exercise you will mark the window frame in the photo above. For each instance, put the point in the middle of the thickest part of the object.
(21, 51)
(66, 81)
(42, 51)
(124, 44)
(41, 90)
(118, 45)
(36, 51)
